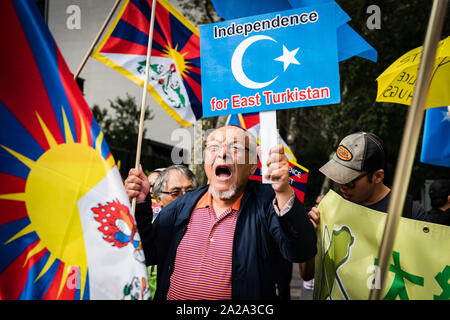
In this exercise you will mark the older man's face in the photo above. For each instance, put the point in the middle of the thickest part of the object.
(177, 184)
(227, 161)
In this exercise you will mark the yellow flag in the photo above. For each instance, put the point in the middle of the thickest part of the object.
(349, 236)
(396, 83)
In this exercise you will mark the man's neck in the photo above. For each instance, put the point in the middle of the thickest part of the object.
(220, 205)
(377, 195)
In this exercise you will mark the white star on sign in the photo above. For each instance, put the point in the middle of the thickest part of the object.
(288, 57)
(446, 115)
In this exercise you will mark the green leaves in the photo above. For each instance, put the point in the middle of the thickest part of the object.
(121, 129)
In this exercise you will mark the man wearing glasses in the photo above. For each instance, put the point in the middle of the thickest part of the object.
(173, 182)
(219, 241)
(163, 185)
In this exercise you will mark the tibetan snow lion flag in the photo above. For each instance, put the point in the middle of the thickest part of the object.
(298, 175)
(66, 231)
(174, 75)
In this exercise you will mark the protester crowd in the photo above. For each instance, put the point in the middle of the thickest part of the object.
(237, 239)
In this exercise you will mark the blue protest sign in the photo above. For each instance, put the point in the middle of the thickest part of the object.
(278, 60)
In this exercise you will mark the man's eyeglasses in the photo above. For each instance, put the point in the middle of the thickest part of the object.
(352, 183)
(232, 148)
(177, 192)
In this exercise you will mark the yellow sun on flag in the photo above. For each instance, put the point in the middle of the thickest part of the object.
(178, 57)
(60, 177)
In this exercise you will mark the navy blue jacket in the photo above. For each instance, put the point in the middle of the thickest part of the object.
(258, 236)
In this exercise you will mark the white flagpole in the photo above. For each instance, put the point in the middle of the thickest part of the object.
(409, 141)
(94, 43)
(144, 97)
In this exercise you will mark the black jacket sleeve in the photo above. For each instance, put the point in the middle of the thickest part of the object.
(144, 216)
(297, 239)
(156, 234)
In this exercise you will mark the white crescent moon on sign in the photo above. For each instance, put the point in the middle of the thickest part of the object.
(236, 63)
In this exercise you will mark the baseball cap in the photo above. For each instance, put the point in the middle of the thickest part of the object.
(356, 153)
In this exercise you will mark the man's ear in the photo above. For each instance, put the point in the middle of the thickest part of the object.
(378, 176)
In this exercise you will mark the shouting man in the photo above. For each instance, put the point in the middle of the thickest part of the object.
(221, 241)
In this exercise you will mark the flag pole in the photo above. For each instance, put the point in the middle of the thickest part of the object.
(144, 97)
(409, 141)
(94, 43)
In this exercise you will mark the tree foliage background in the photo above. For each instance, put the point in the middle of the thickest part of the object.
(313, 133)
(120, 129)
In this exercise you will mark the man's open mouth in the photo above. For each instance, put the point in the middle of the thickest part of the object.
(222, 172)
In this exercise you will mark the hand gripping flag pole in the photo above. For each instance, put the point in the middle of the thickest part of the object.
(144, 97)
(94, 43)
(409, 140)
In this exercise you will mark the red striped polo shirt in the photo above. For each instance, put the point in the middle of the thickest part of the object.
(202, 269)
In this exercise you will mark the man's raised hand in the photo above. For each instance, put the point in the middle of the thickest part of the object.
(137, 185)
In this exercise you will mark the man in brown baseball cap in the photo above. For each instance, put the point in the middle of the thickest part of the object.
(355, 154)
(357, 167)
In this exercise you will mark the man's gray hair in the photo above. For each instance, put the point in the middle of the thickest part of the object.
(160, 184)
